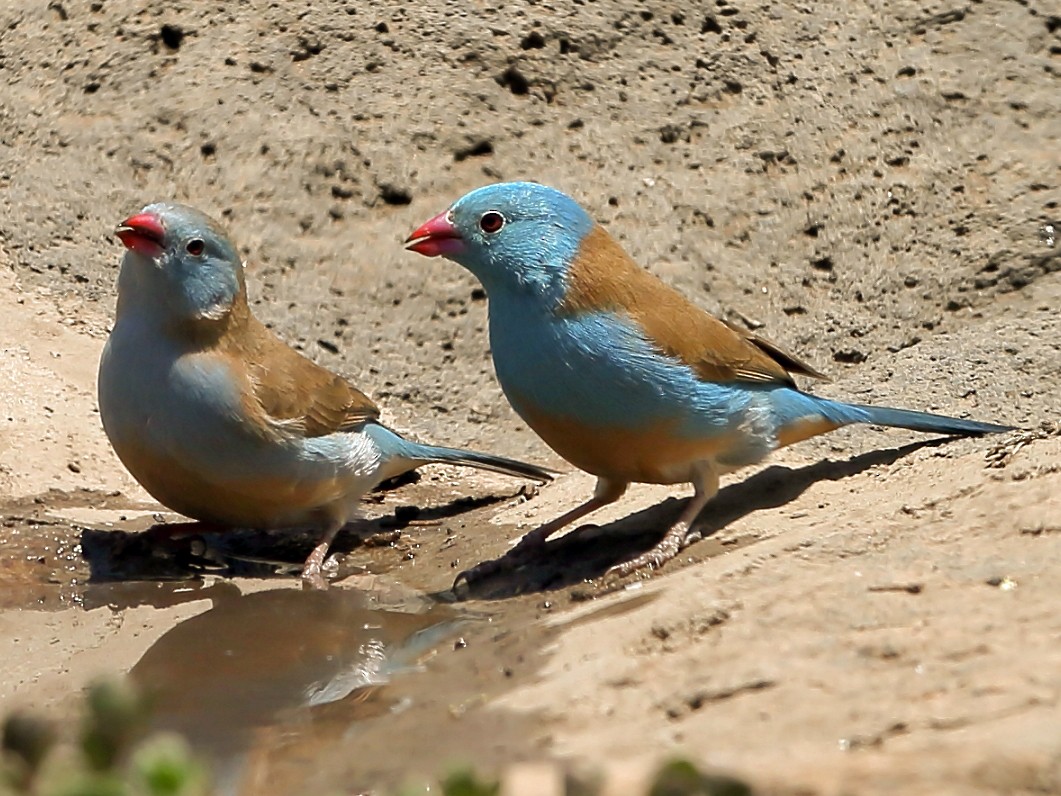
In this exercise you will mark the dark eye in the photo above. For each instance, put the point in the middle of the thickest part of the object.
(491, 222)
(195, 247)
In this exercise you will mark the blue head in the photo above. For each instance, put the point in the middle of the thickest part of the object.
(180, 265)
(514, 236)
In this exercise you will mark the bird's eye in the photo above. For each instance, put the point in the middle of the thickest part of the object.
(491, 222)
(195, 247)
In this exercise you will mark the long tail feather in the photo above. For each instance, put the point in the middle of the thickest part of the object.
(402, 454)
(924, 421)
(802, 415)
(481, 461)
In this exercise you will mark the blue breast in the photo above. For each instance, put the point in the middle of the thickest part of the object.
(598, 369)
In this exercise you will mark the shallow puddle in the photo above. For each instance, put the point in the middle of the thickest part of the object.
(281, 689)
(378, 682)
(250, 674)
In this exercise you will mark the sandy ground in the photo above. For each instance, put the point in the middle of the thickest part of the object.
(874, 185)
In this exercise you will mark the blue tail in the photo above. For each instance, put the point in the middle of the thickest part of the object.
(792, 406)
(924, 421)
(426, 454)
(402, 455)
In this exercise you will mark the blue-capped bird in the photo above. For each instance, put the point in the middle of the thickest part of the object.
(221, 420)
(619, 373)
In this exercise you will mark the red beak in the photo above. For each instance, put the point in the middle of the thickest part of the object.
(436, 237)
(143, 234)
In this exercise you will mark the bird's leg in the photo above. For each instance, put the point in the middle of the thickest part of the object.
(681, 534)
(606, 492)
(532, 542)
(311, 570)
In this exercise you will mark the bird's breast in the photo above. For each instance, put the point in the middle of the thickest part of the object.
(599, 394)
(154, 390)
(178, 420)
(587, 367)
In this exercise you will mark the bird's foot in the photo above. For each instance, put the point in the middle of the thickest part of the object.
(313, 569)
(529, 547)
(314, 580)
(673, 542)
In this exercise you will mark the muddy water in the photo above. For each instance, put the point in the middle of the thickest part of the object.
(253, 675)
(382, 680)
(283, 689)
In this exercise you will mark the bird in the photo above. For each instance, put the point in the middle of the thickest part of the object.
(619, 373)
(222, 421)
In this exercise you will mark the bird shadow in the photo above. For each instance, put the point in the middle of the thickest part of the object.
(189, 550)
(590, 551)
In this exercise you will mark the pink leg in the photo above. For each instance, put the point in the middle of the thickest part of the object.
(532, 543)
(679, 535)
(311, 570)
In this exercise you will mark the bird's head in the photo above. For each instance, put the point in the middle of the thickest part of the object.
(512, 236)
(179, 264)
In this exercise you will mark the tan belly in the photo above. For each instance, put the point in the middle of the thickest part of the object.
(652, 455)
(263, 503)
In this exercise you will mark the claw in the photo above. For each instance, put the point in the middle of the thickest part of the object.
(692, 538)
(653, 559)
(312, 577)
(473, 574)
(483, 570)
(672, 543)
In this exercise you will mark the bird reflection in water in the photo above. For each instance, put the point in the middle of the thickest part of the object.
(254, 672)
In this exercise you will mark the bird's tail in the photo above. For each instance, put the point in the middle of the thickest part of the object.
(482, 461)
(404, 454)
(924, 421)
(800, 415)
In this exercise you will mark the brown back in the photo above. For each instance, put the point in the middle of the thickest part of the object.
(604, 277)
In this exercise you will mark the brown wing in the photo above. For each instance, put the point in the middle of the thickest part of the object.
(604, 277)
(294, 390)
(786, 359)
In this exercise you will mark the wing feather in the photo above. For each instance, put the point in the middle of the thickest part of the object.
(604, 277)
(292, 392)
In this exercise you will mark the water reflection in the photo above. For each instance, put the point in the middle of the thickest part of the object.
(252, 672)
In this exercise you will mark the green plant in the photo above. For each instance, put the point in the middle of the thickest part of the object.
(107, 757)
